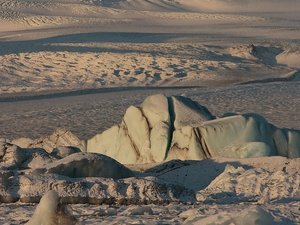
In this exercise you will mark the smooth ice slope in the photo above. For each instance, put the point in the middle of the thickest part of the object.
(178, 128)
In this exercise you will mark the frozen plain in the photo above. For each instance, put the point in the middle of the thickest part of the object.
(214, 45)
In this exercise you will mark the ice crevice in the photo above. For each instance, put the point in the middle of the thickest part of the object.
(171, 126)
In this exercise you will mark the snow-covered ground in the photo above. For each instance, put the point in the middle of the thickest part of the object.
(155, 214)
(59, 45)
(79, 64)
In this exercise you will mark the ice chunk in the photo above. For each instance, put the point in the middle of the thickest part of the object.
(14, 157)
(63, 151)
(30, 188)
(104, 142)
(175, 127)
(159, 141)
(138, 210)
(89, 165)
(46, 210)
(293, 143)
(60, 137)
(50, 212)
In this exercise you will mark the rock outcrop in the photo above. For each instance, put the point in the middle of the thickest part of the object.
(165, 128)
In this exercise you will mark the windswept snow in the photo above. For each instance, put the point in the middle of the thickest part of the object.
(59, 45)
(95, 65)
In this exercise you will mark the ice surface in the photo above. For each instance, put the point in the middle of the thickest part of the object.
(90, 178)
(178, 128)
(27, 174)
(260, 185)
(89, 165)
(252, 216)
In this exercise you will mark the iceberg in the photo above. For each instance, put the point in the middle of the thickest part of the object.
(166, 128)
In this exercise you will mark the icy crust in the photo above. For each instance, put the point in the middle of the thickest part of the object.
(231, 181)
(166, 128)
(27, 174)
(61, 137)
(252, 185)
(30, 188)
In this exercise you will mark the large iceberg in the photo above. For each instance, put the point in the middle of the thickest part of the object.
(165, 128)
